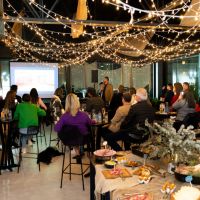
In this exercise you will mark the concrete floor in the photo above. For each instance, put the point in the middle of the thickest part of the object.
(30, 184)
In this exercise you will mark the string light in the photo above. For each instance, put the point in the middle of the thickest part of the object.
(107, 43)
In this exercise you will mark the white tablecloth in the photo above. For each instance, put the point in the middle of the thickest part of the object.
(103, 185)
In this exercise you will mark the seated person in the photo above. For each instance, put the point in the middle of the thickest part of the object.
(17, 97)
(137, 114)
(10, 102)
(73, 116)
(94, 102)
(56, 107)
(183, 106)
(120, 114)
(169, 94)
(178, 88)
(116, 101)
(35, 99)
(27, 115)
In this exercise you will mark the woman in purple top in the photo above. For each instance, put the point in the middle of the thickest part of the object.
(73, 116)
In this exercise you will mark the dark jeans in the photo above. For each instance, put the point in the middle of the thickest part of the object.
(123, 135)
(177, 124)
(112, 139)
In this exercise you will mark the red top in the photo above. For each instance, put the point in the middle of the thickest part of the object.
(174, 98)
(197, 108)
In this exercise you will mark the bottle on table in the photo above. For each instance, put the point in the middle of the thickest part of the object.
(99, 118)
(166, 107)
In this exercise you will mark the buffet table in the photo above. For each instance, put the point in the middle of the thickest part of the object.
(118, 187)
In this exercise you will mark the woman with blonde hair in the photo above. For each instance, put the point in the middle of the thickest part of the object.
(9, 102)
(74, 117)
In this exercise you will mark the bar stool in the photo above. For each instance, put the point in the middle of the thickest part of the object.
(71, 136)
(50, 136)
(42, 132)
(31, 131)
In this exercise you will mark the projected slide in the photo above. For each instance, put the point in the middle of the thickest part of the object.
(43, 77)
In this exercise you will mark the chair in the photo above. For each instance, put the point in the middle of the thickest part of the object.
(71, 136)
(137, 135)
(190, 119)
(57, 140)
(31, 131)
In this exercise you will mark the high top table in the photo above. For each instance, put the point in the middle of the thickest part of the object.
(7, 160)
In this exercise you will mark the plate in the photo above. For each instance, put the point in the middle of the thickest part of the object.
(120, 153)
(138, 196)
(110, 164)
(104, 152)
(133, 163)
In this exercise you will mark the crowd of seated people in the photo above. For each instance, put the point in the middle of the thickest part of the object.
(129, 110)
(183, 102)
(137, 115)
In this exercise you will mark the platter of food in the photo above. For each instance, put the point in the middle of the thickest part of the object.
(183, 171)
(104, 152)
(131, 163)
(138, 196)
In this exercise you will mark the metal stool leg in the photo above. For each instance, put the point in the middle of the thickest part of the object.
(62, 167)
(44, 134)
(50, 134)
(82, 175)
(20, 153)
(70, 165)
(37, 151)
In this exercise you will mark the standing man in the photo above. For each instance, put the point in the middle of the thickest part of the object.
(107, 91)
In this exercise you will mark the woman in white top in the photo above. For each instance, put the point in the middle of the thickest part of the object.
(35, 99)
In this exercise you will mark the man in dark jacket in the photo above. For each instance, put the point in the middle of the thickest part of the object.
(137, 115)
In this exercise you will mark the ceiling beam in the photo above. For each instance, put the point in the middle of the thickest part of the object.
(53, 6)
(31, 9)
(93, 23)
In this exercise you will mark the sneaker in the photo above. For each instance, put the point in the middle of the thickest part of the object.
(24, 150)
(30, 143)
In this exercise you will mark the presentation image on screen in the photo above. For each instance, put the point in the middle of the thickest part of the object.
(42, 76)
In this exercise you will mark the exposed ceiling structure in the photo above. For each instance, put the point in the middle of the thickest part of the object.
(136, 32)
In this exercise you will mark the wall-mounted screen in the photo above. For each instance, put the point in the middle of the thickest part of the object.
(42, 76)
